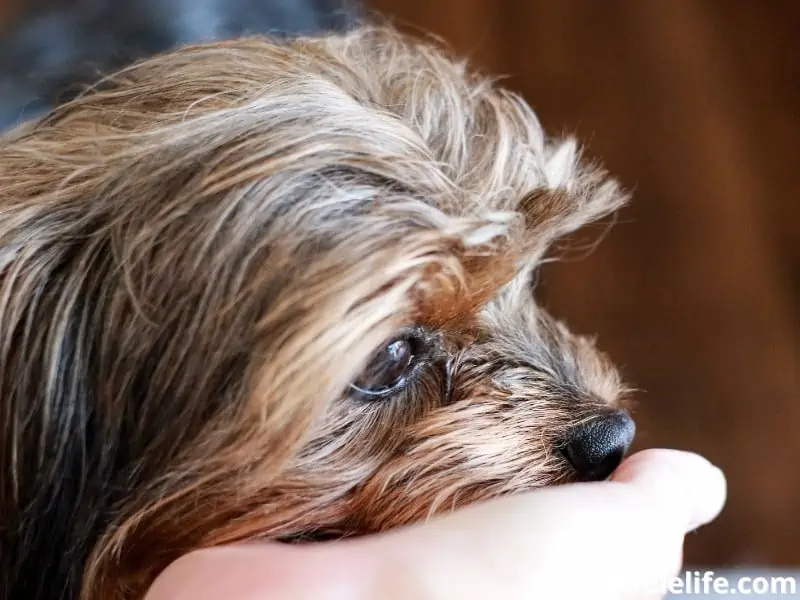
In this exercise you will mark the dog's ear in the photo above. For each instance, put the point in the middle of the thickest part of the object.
(573, 193)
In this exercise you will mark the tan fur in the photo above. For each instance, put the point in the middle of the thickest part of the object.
(202, 254)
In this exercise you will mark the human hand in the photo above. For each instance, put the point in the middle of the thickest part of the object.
(608, 540)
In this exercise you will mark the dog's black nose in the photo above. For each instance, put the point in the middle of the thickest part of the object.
(597, 447)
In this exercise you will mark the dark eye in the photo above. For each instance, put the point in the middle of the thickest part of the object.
(391, 368)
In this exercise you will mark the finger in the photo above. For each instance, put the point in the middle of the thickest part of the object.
(697, 490)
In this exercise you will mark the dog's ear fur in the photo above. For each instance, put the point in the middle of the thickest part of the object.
(493, 151)
(575, 193)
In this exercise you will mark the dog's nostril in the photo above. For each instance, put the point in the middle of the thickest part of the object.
(597, 447)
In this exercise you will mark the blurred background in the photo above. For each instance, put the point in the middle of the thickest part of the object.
(695, 292)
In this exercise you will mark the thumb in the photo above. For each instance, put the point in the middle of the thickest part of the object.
(694, 488)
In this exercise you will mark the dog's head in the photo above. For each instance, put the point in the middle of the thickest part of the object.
(285, 290)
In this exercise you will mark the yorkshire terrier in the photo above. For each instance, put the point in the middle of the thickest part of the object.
(282, 290)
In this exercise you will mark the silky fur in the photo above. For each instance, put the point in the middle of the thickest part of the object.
(201, 254)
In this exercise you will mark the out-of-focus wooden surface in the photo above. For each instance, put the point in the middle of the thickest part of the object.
(696, 291)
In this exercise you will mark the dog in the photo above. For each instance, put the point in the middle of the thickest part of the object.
(283, 289)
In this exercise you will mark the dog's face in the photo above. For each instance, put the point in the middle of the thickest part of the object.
(502, 403)
(252, 289)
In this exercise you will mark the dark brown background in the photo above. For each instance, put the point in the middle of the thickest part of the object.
(696, 290)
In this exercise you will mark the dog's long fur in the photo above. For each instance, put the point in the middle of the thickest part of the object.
(201, 255)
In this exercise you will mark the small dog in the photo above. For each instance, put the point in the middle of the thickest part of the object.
(282, 289)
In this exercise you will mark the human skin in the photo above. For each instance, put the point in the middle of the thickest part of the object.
(616, 538)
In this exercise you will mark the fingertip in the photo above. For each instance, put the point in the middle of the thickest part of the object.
(690, 487)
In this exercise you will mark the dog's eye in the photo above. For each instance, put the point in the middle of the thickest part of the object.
(391, 368)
